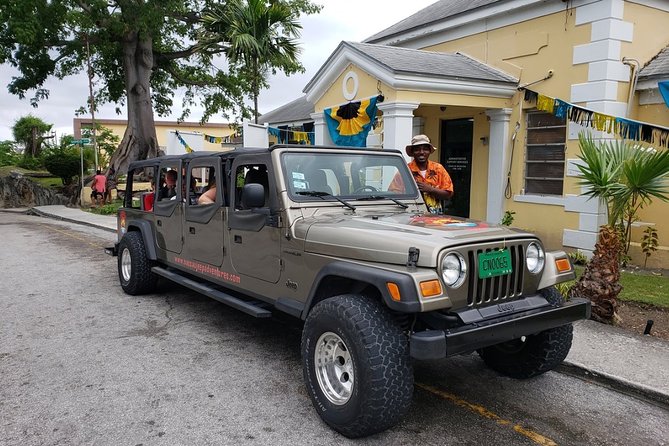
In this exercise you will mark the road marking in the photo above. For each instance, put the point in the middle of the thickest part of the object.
(482, 411)
(95, 245)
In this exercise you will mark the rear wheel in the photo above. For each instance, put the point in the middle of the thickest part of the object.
(134, 268)
(534, 354)
(356, 365)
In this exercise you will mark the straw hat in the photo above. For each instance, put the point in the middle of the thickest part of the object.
(419, 140)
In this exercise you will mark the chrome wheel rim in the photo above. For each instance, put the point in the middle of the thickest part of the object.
(126, 265)
(334, 368)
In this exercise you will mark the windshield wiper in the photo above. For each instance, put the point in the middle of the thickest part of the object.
(384, 197)
(322, 195)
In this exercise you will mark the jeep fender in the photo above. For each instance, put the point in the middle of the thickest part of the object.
(145, 228)
(375, 277)
(551, 275)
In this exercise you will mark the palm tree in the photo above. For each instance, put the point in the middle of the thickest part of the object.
(626, 177)
(261, 37)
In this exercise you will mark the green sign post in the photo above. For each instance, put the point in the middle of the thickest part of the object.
(81, 141)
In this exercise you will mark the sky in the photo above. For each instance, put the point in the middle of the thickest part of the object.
(351, 20)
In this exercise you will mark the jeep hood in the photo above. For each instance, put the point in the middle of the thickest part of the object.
(386, 238)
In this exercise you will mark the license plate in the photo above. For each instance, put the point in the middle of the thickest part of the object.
(494, 263)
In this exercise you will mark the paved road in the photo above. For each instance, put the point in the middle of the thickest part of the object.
(82, 363)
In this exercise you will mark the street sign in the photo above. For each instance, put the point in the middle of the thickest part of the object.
(81, 141)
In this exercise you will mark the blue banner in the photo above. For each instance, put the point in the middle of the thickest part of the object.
(350, 123)
(664, 91)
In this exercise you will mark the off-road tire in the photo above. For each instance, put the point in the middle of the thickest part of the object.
(138, 279)
(534, 355)
(378, 358)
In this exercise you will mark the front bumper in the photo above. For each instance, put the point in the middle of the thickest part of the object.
(436, 344)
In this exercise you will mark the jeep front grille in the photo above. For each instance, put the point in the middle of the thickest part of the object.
(499, 288)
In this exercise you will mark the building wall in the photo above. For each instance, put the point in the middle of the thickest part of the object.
(118, 126)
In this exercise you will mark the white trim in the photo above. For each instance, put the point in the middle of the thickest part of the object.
(662, 5)
(498, 159)
(603, 9)
(552, 200)
(650, 97)
(497, 15)
(345, 56)
(649, 84)
(579, 239)
(594, 91)
(596, 51)
(612, 29)
(608, 70)
(608, 107)
(349, 95)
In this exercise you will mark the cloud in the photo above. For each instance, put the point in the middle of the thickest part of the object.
(339, 20)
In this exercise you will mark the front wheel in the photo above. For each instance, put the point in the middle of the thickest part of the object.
(356, 365)
(134, 268)
(535, 354)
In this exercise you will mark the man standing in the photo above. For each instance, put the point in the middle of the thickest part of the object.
(432, 179)
(98, 188)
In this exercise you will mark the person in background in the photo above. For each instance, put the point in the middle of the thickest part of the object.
(150, 197)
(98, 187)
(431, 177)
(111, 184)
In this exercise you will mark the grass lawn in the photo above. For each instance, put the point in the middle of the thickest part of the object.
(48, 182)
(641, 287)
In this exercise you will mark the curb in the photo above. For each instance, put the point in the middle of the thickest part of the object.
(616, 383)
(33, 211)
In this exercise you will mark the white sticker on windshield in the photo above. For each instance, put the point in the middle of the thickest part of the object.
(298, 175)
(300, 184)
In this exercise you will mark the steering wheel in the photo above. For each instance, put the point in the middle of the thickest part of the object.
(364, 188)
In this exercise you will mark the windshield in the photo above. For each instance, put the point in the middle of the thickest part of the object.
(347, 175)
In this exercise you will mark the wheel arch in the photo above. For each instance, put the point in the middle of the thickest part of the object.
(345, 278)
(144, 227)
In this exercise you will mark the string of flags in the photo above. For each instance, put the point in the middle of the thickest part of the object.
(183, 142)
(285, 135)
(624, 128)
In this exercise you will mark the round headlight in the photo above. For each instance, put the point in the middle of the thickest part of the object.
(534, 258)
(453, 270)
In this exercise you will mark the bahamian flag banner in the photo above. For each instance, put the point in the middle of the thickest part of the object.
(349, 124)
(664, 91)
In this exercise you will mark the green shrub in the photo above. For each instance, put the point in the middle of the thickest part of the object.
(578, 258)
(107, 209)
(30, 163)
(64, 164)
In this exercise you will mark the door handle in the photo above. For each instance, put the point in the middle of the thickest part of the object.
(159, 222)
(238, 238)
(191, 230)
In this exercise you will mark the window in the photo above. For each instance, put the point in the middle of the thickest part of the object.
(544, 154)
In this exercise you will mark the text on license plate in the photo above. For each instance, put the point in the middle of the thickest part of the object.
(494, 263)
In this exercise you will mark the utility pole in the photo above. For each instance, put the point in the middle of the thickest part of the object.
(91, 101)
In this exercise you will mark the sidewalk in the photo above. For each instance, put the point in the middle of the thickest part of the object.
(631, 363)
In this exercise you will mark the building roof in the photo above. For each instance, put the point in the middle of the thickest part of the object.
(430, 63)
(658, 67)
(299, 110)
(431, 14)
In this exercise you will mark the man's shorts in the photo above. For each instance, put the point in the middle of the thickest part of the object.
(96, 194)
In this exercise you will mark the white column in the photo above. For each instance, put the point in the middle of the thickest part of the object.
(397, 124)
(321, 134)
(498, 162)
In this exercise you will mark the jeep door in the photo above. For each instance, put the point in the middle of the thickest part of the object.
(204, 222)
(255, 235)
(168, 206)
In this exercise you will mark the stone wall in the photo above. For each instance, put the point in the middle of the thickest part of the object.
(17, 191)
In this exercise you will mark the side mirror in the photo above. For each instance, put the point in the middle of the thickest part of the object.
(253, 196)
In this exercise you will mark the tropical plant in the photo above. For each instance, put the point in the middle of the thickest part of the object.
(578, 258)
(507, 219)
(8, 154)
(142, 52)
(625, 177)
(63, 161)
(30, 132)
(649, 243)
(260, 37)
(106, 141)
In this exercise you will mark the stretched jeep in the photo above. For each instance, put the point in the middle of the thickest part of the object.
(316, 233)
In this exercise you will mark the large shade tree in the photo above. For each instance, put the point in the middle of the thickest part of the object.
(142, 51)
(31, 132)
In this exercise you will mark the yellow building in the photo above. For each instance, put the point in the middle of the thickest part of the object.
(459, 72)
(194, 133)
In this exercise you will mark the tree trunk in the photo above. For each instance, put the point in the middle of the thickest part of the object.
(600, 281)
(139, 141)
